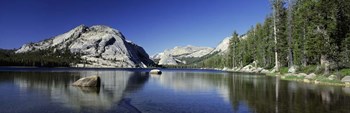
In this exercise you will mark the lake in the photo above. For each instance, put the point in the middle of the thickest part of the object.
(39, 90)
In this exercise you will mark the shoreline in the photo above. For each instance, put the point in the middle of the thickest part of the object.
(309, 81)
(317, 80)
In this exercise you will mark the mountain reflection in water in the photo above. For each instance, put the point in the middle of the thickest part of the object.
(173, 91)
(58, 85)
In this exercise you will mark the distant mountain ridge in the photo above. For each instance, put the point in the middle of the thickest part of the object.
(173, 56)
(99, 45)
(222, 47)
(181, 55)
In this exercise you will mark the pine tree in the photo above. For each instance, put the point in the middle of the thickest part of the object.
(289, 31)
(233, 48)
(279, 32)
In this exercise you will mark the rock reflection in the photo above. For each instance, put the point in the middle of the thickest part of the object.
(94, 90)
(58, 87)
(244, 92)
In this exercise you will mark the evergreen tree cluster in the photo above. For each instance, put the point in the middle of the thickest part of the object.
(308, 32)
(298, 32)
(39, 58)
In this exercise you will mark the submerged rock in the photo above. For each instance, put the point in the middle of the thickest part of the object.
(90, 81)
(155, 71)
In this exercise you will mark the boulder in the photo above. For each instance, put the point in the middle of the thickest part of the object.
(292, 69)
(273, 71)
(301, 74)
(90, 81)
(307, 81)
(346, 79)
(258, 70)
(310, 76)
(332, 77)
(247, 68)
(265, 71)
(283, 77)
(317, 82)
(155, 71)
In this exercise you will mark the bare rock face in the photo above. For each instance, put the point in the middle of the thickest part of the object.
(222, 47)
(99, 45)
(174, 56)
(90, 81)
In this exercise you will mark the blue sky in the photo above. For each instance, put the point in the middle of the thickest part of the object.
(153, 24)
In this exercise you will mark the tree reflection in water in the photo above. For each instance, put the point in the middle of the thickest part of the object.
(262, 94)
(241, 92)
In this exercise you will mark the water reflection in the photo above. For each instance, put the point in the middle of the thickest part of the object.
(262, 94)
(189, 92)
(58, 86)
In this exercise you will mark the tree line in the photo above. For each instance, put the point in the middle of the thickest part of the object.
(39, 58)
(297, 33)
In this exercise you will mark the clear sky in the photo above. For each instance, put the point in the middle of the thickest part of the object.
(153, 24)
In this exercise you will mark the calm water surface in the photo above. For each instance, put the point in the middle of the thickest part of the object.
(133, 90)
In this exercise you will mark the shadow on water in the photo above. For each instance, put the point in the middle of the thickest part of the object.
(57, 85)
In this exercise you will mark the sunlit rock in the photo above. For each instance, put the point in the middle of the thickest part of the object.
(301, 75)
(292, 69)
(346, 79)
(155, 71)
(332, 77)
(310, 76)
(90, 81)
(98, 45)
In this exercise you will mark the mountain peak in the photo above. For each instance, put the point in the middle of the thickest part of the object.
(222, 47)
(173, 56)
(99, 44)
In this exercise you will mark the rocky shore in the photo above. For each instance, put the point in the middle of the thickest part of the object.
(294, 76)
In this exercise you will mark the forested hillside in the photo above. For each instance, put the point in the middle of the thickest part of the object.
(300, 33)
(40, 58)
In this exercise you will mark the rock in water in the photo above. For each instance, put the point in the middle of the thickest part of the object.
(90, 81)
(155, 71)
